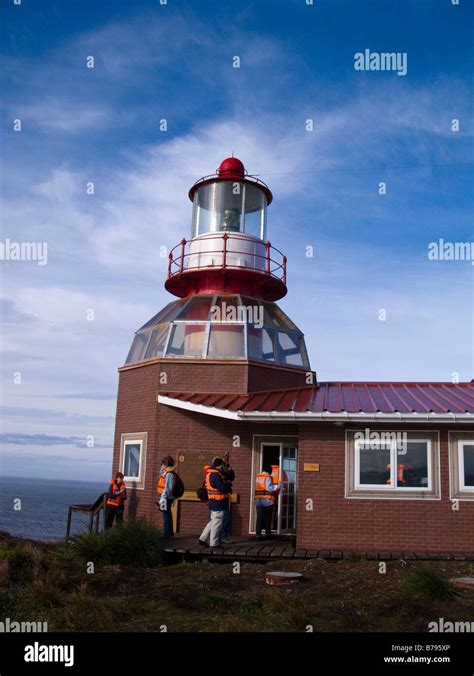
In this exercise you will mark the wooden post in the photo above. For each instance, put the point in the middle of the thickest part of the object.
(69, 517)
(90, 521)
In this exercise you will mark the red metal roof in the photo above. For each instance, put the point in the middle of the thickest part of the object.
(345, 397)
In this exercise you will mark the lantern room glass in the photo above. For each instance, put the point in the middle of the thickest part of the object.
(221, 327)
(229, 206)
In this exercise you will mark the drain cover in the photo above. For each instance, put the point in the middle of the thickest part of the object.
(282, 579)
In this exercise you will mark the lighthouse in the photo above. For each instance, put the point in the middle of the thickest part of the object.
(222, 371)
(227, 277)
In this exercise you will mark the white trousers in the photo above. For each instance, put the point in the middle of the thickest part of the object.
(213, 528)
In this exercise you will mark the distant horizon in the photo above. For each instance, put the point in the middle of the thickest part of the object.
(44, 478)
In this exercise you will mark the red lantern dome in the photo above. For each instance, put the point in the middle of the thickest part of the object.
(228, 251)
(231, 168)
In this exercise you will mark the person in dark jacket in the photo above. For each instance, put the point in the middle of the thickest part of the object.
(116, 496)
(166, 483)
(228, 475)
(218, 490)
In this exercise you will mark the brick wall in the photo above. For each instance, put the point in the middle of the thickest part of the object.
(207, 376)
(171, 430)
(273, 378)
(335, 523)
(373, 524)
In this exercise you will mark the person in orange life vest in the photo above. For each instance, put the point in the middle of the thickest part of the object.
(165, 491)
(265, 496)
(404, 470)
(218, 490)
(117, 494)
(276, 476)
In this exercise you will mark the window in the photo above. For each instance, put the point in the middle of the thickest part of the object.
(138, 347)
(373, 465)
(461, 465)
(131, 463)
(226, 341)
(260, 344)
(229, 206)
(382, 463)
(157, 342)
(133, 458)
(186, 340)
(289, 349)
(466, 464)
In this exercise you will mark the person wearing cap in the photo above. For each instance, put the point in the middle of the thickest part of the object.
(116, 496)
(164, 489)
(218, 490)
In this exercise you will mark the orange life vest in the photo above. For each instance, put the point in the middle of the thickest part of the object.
(160, 489)
(400, 473)
(119, 500)
(261, 488)
(213, 493)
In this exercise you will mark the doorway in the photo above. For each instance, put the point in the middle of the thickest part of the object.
(284, 453)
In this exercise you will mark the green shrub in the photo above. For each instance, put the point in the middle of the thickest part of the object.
(15, 557)
(251, 605)
(215, 601)
(427, 584)
(135, 542)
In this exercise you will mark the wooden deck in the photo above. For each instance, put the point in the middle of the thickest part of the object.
(186, 547)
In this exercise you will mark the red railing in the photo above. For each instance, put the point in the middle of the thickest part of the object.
(179, 257)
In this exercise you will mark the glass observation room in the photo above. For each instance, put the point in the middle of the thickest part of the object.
(221, 327)
(229, 206)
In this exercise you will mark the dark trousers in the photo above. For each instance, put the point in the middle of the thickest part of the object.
(112, 513)
(167, 520)
(264, 520)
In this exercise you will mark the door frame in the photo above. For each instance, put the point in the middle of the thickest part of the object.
(270, 439)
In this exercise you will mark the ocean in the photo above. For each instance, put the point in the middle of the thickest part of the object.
(44, 506)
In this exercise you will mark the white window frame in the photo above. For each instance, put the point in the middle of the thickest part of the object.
(461, 443)
(393, 463)
(356, 490)
(138, 439)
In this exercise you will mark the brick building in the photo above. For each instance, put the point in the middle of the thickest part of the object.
(223, 371)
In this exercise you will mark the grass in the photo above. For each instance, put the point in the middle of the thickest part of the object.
(131, 589)
(426, 583)
(134, 543)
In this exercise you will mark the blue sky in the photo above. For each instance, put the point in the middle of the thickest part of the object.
(175, 61)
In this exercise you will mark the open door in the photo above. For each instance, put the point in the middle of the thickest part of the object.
(284, 453)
